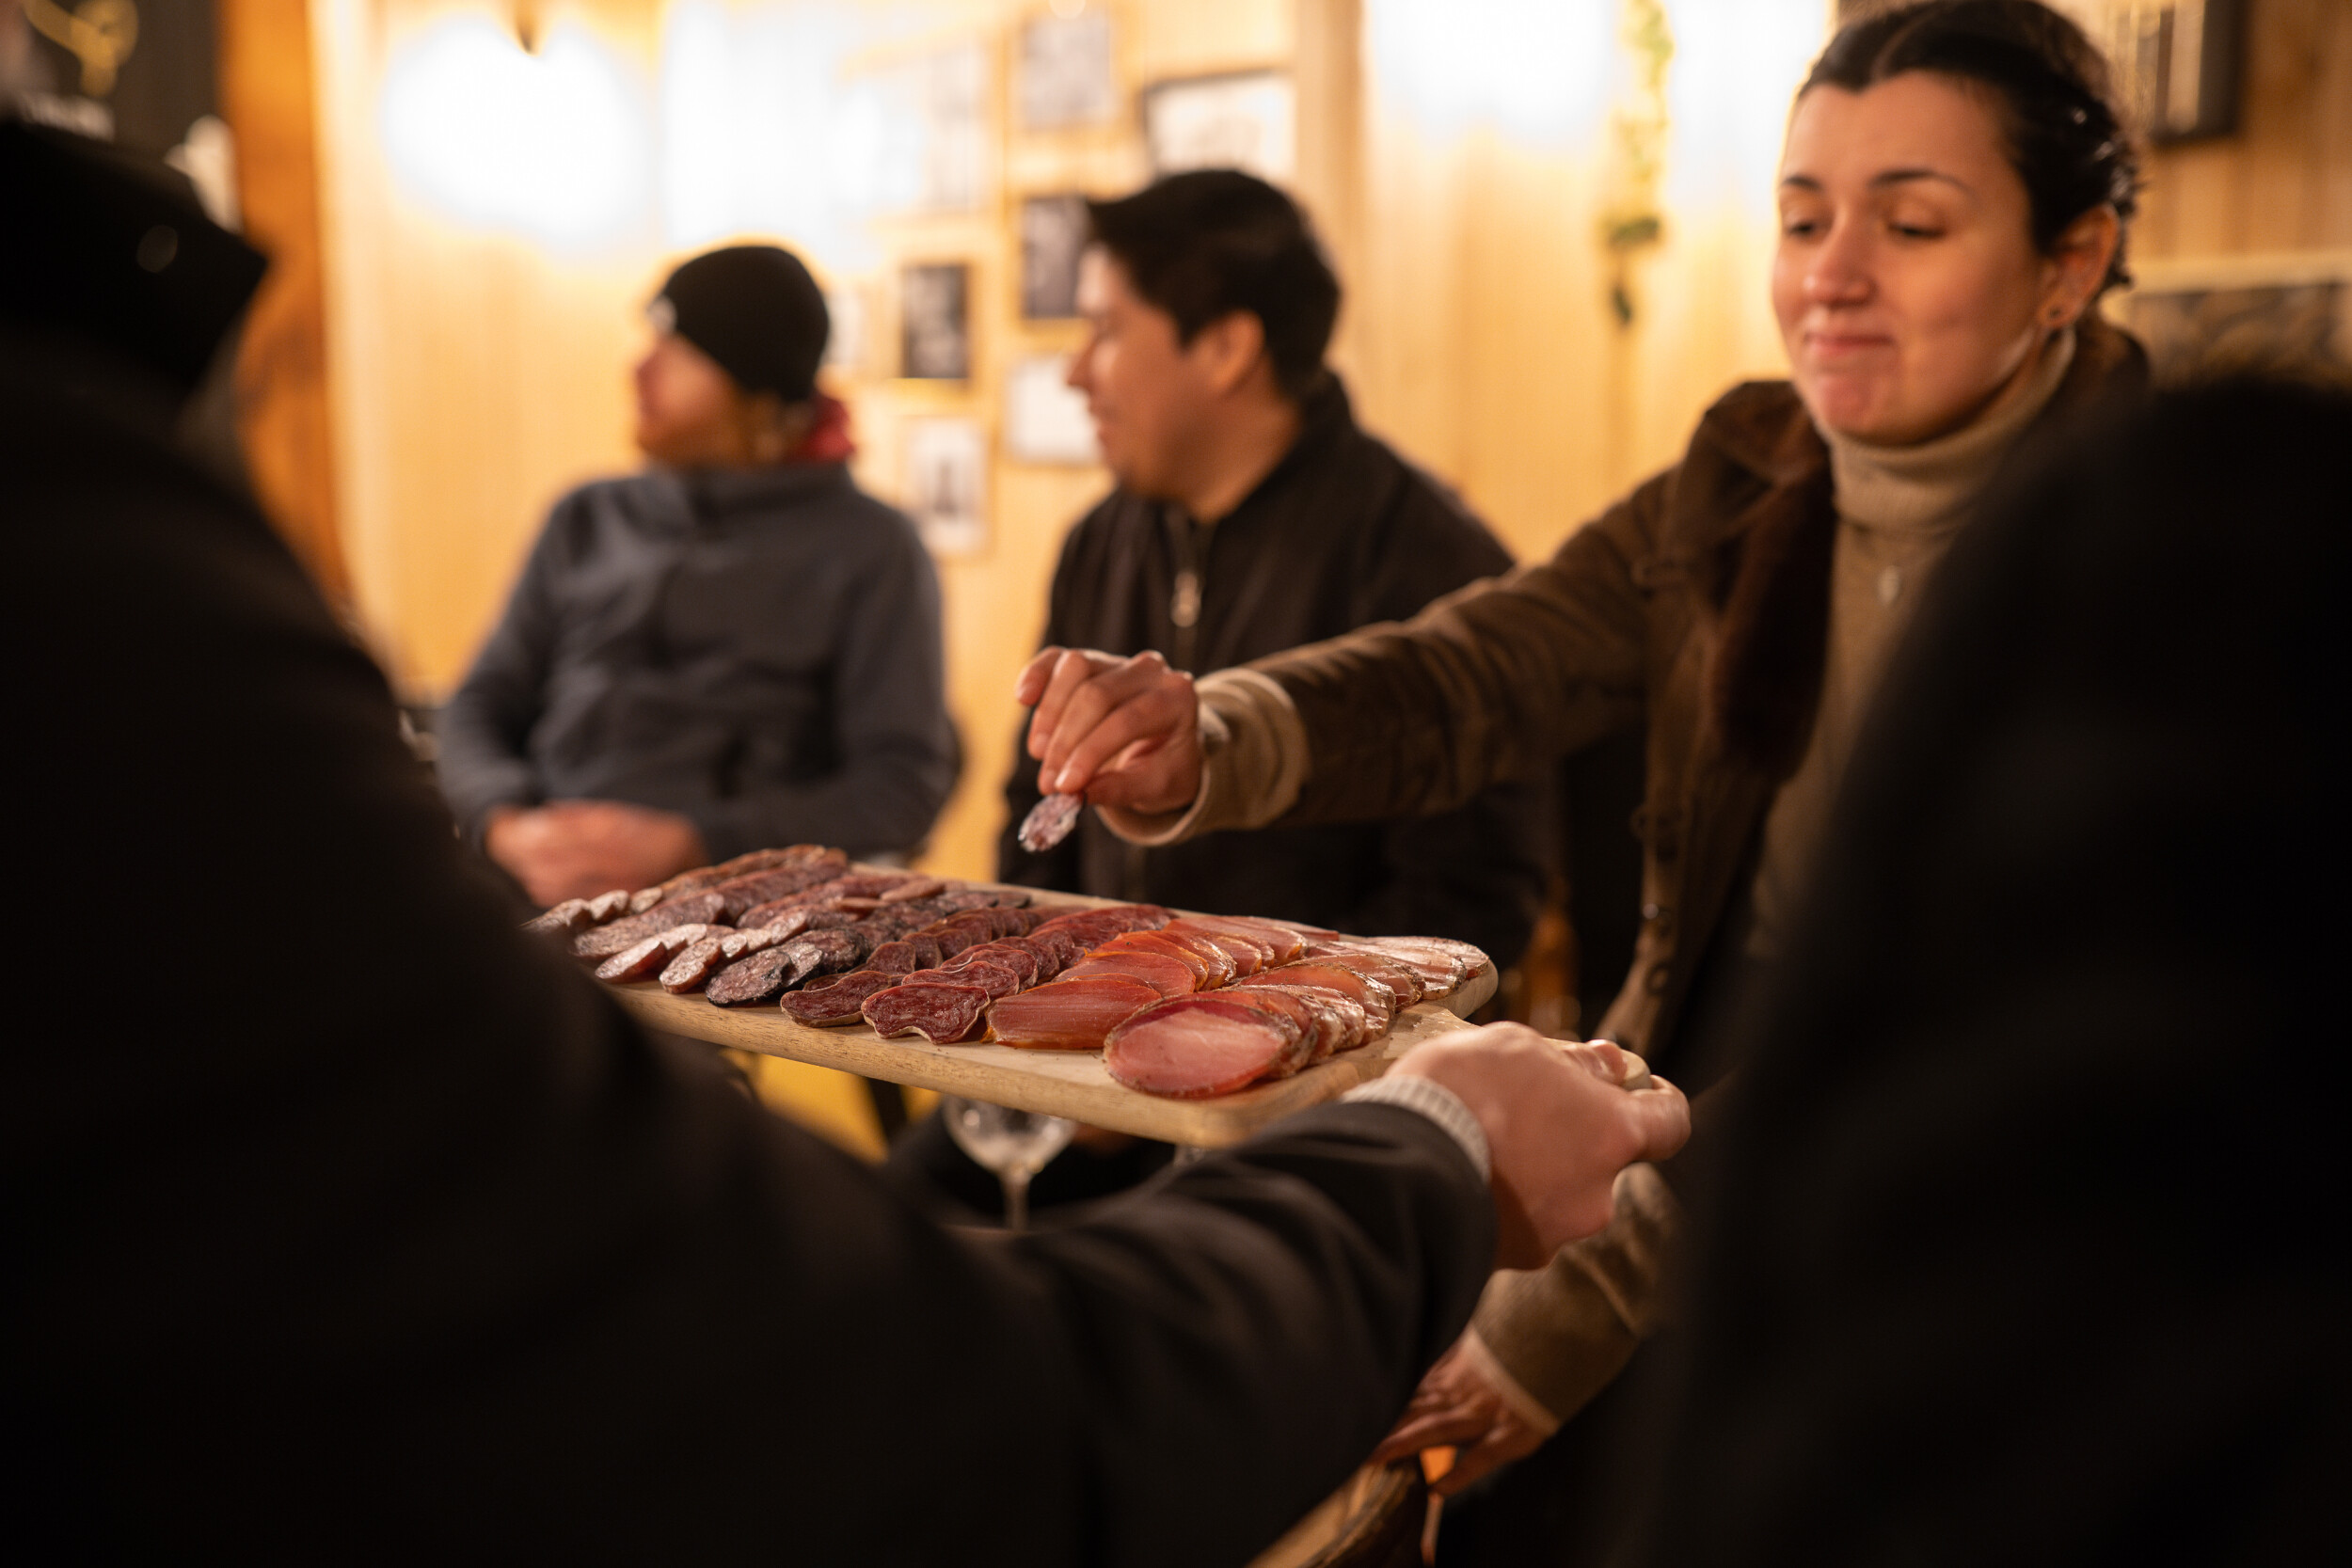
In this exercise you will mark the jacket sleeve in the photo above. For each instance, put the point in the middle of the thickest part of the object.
(899, 750)
(484, 730)
(1486, 685)
(449, 1246)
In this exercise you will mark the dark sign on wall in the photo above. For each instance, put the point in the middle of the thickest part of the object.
(143, 75)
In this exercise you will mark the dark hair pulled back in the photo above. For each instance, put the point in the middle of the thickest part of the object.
(1207, 243)
(2055, 100)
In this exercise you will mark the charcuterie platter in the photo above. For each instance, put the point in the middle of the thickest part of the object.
(1054, 1083)
(1195, 1028)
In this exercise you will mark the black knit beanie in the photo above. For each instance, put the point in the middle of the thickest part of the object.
(755, 310)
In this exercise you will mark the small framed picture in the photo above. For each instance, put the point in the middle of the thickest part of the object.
(946, 483)
(1045, 417)
(2243, 313)
(1248, 120)
(1052, 236)
(935, 322)
(1066, 76)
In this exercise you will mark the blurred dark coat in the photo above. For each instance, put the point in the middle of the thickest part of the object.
(1340, 535)
(345, 1223)
(2028, 1243)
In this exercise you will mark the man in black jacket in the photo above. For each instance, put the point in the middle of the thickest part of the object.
(357, 1225)
(1252, 515)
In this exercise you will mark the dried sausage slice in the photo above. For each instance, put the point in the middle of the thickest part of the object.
(837, 999)
(605, 941)
(941, 1014)
(1070, 1014)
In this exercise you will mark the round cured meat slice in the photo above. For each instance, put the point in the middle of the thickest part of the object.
(1167, 976)
(1302, 1014)
(1375, 997)
(1345, 1024)
(1398, 976)
(1216, 964)
(1250, 954)
(941, 1014)
(838, 999)
(1151, 942)
(1196, 1045)
(1285, 941)
(1463, 961)
(1007, 953)
(1069, 1014)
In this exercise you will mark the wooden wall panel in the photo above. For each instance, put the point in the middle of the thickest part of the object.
(283, 403)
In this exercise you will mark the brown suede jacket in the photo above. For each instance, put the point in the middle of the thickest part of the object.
(1696, 607)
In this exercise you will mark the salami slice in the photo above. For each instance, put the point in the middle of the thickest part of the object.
(1050, 822)
(697, 961)
(1168, 976)
(1069, 1015)
(570, 915)
(941, 1014)
(605, 941)
(756, 977)
(921, 887)
(994, 978)
(838, 999)
(635, 963)
(1014, 953)
(1196, 1045)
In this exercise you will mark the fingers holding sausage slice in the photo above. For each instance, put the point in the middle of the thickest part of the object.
(1120, 732)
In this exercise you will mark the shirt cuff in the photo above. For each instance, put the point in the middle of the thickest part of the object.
(1526, 1406)
(1433, 1099)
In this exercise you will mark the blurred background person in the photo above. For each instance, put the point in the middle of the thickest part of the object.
(1252, 514)
(735, 649)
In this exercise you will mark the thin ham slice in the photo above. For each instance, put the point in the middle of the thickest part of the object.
(1215, 965)
(1374, 996)
(1167, 976)
(1389, 970)
(1070, 1014)
(1285, 941)
(1250, 954)
(1196, 1045)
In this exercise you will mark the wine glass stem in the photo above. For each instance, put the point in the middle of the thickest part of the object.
(1016, 1199)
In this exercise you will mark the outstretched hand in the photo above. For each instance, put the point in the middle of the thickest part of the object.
(1121, 732)
(1458, 1406)
(1561, 1122)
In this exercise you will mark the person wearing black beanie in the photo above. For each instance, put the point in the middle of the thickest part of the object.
(734, 649)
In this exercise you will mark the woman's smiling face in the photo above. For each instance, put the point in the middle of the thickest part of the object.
(1908, 289)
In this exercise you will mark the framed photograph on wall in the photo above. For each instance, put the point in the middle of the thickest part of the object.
(945, 484)
(935, 321)
(1045, 417)
(1052, 235)
(1245, 120)
(1065, 73)
(2243, 313)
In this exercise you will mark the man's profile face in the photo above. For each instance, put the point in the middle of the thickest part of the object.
(1147, 395)
(686, 405)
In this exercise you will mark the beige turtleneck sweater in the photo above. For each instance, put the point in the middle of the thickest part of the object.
(1897, 509)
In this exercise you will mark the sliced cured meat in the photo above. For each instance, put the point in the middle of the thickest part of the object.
(1433, 952)
(899, 958)
(830, 951)
(697, 961)
(1343, 1022)
(786, 916)
(920, 887)
(570, 915)
(1285, 941)
(644, 898)
(1168, 976)
(635, 963)
(1148, 941)
(757, 941)
(994, 978)
(1069, 1015)
(1064, 947)
(1317, 1028)
(818, 861)
(608, 906)
(1196, 1045)
(1376, 999)
(1250, 954)
(757, 977)
(837, 999)
(1216, 965)
(1398, 976)
(941, 1014)
(1014, 953)
(605, 941)
(1050, 822)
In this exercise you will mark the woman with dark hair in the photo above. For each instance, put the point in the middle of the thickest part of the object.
(1954, 194)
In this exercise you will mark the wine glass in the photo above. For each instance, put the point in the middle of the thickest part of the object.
(1016, 1145)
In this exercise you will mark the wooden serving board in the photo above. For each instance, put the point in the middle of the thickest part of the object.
(1057, 1083)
